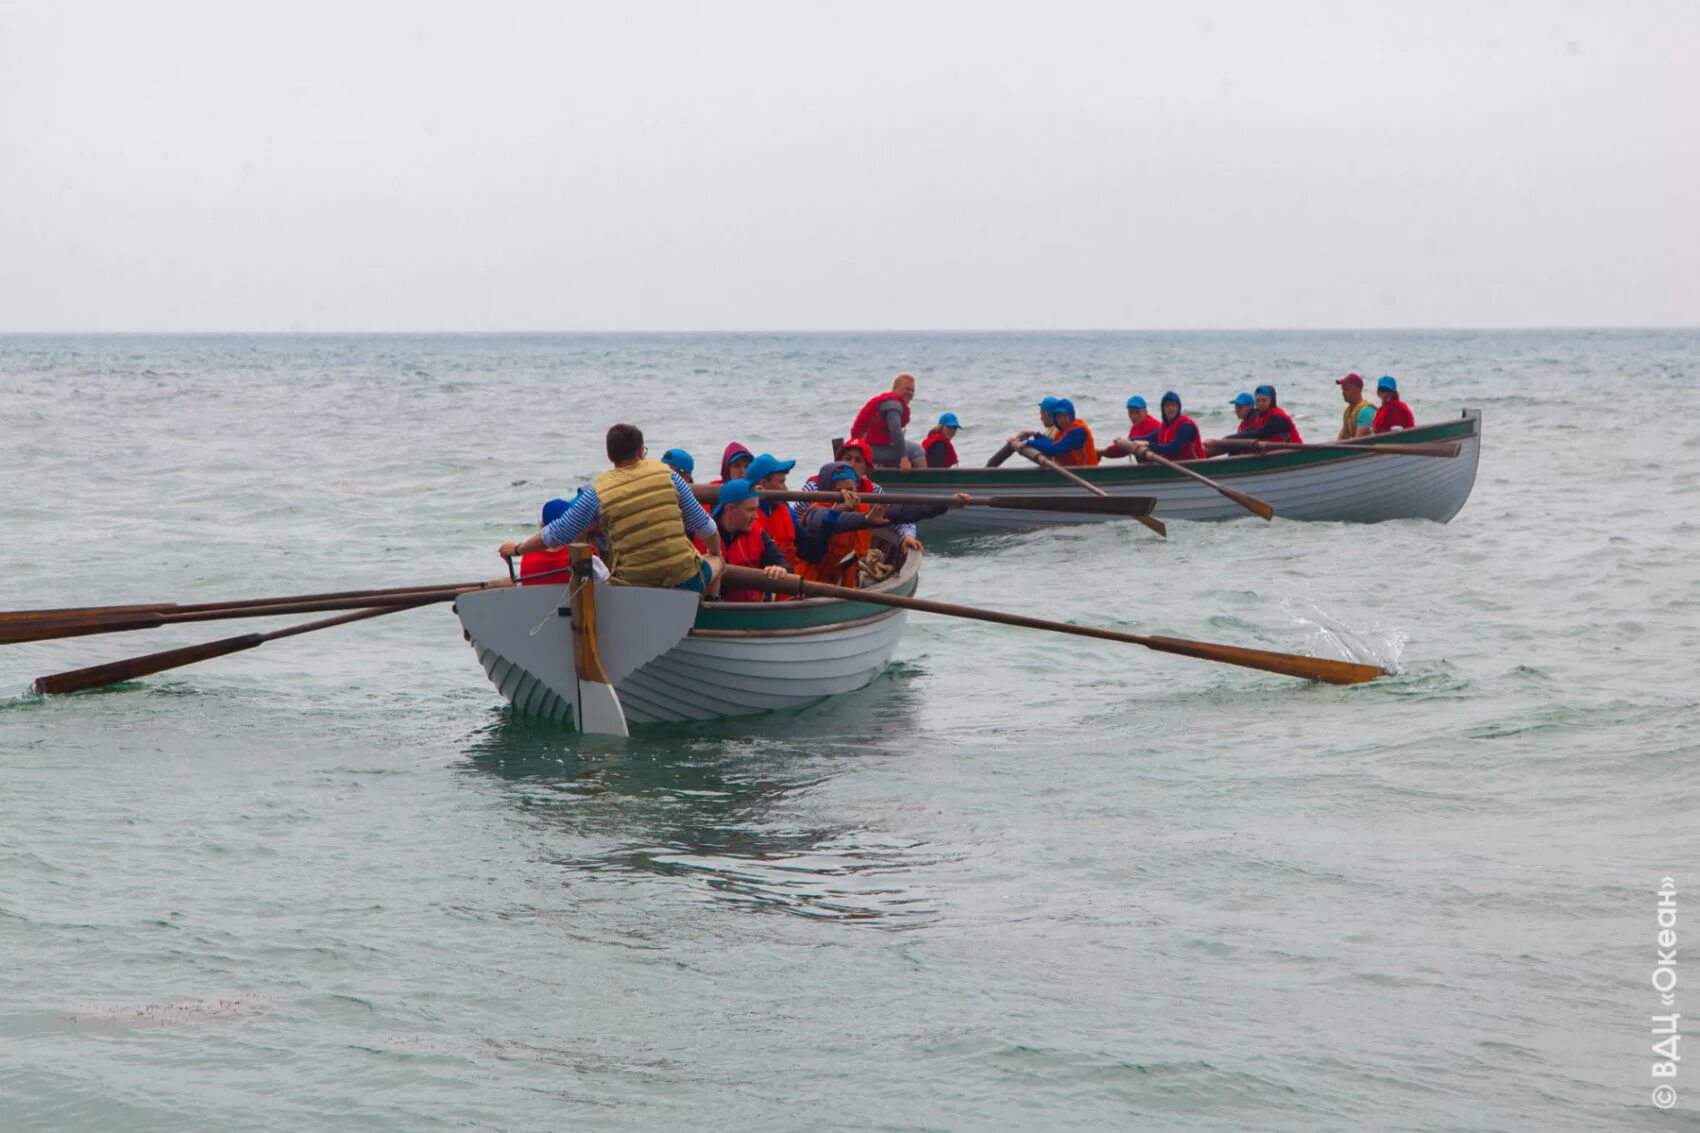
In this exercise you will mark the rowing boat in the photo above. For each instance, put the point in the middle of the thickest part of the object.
(1311, 484)
(672, 658)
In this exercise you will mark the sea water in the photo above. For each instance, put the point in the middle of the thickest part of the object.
(1021, 882)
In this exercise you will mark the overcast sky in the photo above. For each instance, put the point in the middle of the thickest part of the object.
(414, 165)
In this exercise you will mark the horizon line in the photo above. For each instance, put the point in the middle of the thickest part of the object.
(1483, 327)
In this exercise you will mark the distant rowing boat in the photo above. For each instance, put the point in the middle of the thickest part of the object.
(1313, 484)
(672, 658)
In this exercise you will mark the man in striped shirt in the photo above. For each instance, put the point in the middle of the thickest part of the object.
(648, 537)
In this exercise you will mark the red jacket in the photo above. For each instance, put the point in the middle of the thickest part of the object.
(870, 422)
(539, 561)
(1394, 414)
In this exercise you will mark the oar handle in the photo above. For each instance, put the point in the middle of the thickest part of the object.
(513, 571)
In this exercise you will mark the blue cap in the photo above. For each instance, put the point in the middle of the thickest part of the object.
(735, 492)
(679, 461)
(842, 472)
(553, 510)
(1266, 391)
(949, 421)
(1048, 405)
(1136, 402)
(1172, 396)
(1063, 405)
(1386, 382)
(1243, 399)
(766, 465)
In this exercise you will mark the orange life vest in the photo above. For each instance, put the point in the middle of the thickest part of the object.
(743, 549)
(833, 567)
(780, 524)
(1085, 454)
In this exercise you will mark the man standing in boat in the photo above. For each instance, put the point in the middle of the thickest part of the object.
(648, 515)
(881, 423)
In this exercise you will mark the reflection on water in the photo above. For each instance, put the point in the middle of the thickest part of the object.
(733, 806)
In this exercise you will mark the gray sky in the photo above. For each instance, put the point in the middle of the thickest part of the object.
(555, 166)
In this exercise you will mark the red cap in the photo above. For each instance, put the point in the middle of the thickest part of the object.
(1349, 380)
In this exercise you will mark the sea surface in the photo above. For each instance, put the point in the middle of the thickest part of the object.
(1021, 882)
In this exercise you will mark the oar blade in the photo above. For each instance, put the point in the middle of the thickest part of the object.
(1287, 664)
(1130, 507)
(1154, 524)
(116, 672)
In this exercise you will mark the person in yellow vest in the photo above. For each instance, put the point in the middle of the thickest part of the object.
(648, 515)
(1359, 418)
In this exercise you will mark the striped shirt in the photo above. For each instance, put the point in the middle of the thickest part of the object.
(903, 530)
(587, 509)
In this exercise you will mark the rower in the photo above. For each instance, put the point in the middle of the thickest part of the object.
(542, 560)
(1359, 418)
(681, 462)
(855, 454)
(1394, 414)
(1073, 444)
(1245, 409)
(737, 516)
(646, 511)
(767, 472)
(1270, 422)
(833, 539)
(734, 461)
(881, 423)
(1140, 426)
(1177, 434)
(1047, 428)
(937, 446)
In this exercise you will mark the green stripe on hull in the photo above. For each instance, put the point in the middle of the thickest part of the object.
(1015, 476)
(809, 614)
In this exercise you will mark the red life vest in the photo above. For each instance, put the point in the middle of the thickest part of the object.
(870, 422)
(1166, 435)
(935, 438)
(539, 561)
(833, 568)
(1086, 453)
(1394, 413)
(1291, 436)
(1146, 427)
(780, 524)
(743, 549)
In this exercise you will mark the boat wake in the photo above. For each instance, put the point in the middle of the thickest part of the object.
(1330, 637)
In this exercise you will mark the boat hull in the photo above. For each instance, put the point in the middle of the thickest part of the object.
(673, 661)
(1317, 484)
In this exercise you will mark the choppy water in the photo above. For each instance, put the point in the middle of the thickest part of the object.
(1021, 882)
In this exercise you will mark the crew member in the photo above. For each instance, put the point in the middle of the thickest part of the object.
(1073, 444)
(855, 454)
(734, 461)
(1394, 414)
(1140, 426)
(1245, 409)
(941, 453)
(545, 561)
(646, 511)
(881, 423)
(1047, 428)
(681, 462)
(1177, 435)
(1359, 418)
(737, 516)
(767, 472)
(1270, 422)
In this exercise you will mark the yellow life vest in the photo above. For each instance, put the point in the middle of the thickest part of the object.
(647, 543)
(1349, 419)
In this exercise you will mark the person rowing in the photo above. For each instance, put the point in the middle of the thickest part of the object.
(881, 422)
(542, 560)
(1270, 422)
(1047, 428)
(734, 461)
(1140, 426)
(1394, 414)
(1245, 410)
(767, 472)
(855, 455)
(647, 514)
(1177, 436)
(1359, 418)
(937, 444)
(1073, 443)
(834, 539)
(737, 516)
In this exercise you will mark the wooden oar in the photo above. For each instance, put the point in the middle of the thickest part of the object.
(1044, 461)
(1288, 664)
(1130, 507)
(1250, 503)
(1424, 448)
(47, 625)
(99, 676)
